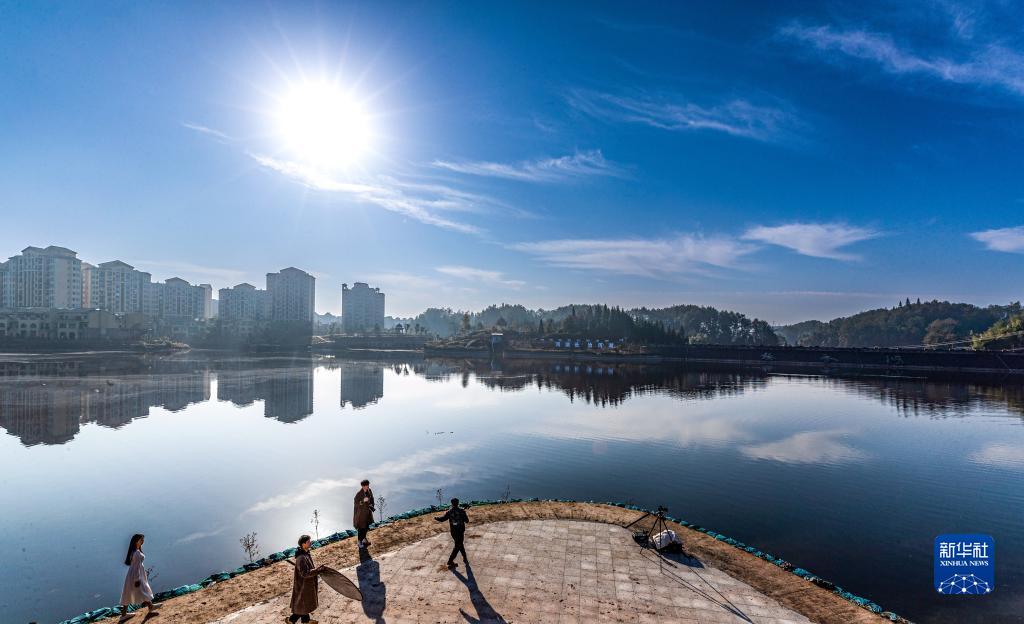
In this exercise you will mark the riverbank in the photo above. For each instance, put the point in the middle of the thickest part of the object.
(791, 587)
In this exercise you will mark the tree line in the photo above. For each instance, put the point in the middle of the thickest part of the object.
(682, 324)
(937, 323)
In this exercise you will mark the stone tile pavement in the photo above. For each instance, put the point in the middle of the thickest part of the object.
(556, 571)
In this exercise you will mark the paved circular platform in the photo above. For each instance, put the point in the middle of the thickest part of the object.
(535, 571)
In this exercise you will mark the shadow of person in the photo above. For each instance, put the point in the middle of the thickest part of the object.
(485, 613)
(373, 590)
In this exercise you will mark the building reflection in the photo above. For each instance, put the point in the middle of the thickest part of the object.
(52, 411)
(287, 393)
(362, 383)
(47, 402)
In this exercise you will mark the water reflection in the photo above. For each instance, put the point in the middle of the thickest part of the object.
(362, 383)
(820, 470)
(47, 402)
(52, 410)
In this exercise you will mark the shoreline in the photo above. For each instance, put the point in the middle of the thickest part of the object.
(224, 593)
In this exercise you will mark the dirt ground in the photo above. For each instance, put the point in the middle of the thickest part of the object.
(221, 599)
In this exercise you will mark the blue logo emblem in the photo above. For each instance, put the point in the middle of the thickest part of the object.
(965, 564)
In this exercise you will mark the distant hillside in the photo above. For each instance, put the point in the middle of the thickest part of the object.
(931, 322)
(673, 325)
(707, 325)
(800, 333)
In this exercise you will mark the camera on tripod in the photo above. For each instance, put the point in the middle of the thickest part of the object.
(658, 537)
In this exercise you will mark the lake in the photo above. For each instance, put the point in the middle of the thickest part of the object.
(851, 479)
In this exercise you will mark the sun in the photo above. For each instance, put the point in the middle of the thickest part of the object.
(323, 125)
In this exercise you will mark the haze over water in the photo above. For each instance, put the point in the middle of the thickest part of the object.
(851, 479)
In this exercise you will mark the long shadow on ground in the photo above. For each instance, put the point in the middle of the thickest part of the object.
(375, 596)
(484, 611)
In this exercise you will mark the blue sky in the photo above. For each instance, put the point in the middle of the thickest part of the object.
(783, 160)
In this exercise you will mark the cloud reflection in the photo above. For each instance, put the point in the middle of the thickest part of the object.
(392, 472)
(807, 447)
(1000, 455)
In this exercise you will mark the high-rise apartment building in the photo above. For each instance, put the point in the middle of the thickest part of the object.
(362, 308)
(243, 302)
(181, 300)
(42, 278)
(114, 286)
(292, 294)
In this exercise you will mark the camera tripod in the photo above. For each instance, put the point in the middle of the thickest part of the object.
(645, 539)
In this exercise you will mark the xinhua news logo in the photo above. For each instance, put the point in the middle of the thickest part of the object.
(965, 564)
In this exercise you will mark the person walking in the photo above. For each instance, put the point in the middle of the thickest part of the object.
(305, 588)
(136, 583)
(457, 520)
(362, 516)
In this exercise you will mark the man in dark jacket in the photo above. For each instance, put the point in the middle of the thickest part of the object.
(457, 521)
(305, 597)
(362, 516)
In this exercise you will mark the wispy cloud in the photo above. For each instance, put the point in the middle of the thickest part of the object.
(494, 278)
(986, 64)
(644, 257)
(819, 240)
(206, 130)
(1009, 239)
(579, 164)
(192, 272)
(417, 201)
(775, 123)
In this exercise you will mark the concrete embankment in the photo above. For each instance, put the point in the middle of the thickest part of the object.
(809, 360)
(782, 585)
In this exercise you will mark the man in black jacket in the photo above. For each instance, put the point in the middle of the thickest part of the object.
(457, 521)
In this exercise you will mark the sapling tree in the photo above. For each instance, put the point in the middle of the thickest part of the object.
(250, 546)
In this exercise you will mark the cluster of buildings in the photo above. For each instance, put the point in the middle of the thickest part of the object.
(289, 297)
(51, 294)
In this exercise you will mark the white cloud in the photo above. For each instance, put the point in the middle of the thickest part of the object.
(586, 163)
(195, 273)
(819, 240)
(206, 130)
(989, 64)
(807, 447)
(738, 117)
(644, 257)
(496, 278)
(1009, 239)
(417, 201)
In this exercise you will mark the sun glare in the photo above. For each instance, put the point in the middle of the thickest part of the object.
(322, 125)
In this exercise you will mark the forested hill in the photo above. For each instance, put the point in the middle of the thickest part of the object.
(931, 322)
(673, 325)
(707, 325)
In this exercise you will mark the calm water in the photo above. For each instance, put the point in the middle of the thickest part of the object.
(851, 479)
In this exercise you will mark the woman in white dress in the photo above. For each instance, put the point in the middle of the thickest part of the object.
(136, 584)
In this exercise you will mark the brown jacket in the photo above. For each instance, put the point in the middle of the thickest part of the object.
(362, 515)
(305, 589)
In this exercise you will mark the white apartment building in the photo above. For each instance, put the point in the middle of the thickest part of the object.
(42, 278)
(362, 308)
(181, 300)
(292, 294)
(114, 286)
(243, 302)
